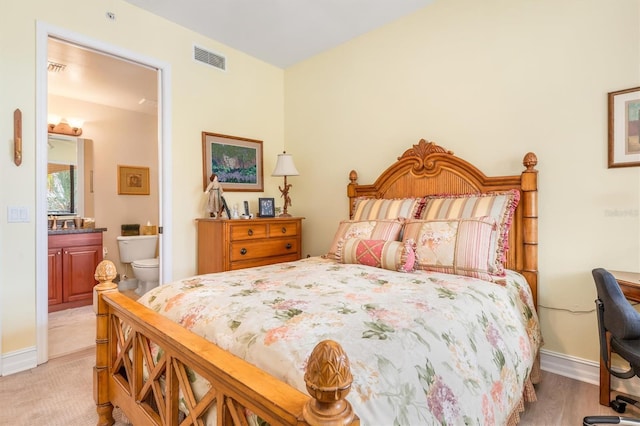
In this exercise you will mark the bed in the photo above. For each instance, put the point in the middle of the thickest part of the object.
(399, 323)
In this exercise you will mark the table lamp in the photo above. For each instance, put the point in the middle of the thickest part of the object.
(285, 167)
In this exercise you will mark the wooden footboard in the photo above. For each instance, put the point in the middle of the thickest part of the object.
(153, 391)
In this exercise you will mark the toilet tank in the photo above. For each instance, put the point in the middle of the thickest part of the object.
(137, 247)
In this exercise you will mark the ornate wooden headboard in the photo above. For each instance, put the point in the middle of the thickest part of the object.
(428, 169)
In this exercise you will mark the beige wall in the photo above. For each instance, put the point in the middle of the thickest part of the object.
(491, 81)
(247, 101)
(120, 137)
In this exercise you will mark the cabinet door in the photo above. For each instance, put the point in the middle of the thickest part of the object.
(79, 269)
(55, 276)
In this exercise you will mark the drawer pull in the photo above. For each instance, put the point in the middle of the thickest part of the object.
(284, 230)
(288, 246)
(243, 251)
(250, 233)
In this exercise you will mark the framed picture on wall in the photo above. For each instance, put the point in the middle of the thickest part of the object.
(266, 207)
(236, 161)
(624, 128)
(133, 180)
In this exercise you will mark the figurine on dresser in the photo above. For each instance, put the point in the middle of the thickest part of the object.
(214, 192)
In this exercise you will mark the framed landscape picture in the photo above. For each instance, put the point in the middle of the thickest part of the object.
(624, 128)
(236, 161)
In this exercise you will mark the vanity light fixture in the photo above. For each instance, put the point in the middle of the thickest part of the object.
(285, 167)
(69, 127)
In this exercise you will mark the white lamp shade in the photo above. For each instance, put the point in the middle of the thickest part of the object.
(285, 166)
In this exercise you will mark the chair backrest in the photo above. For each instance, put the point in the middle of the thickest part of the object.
(620, 318)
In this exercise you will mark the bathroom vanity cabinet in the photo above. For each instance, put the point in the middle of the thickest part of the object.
(73, 258)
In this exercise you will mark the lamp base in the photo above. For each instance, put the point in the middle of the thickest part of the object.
(284, 215)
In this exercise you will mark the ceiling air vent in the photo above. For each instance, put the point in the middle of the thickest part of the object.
(209, 58)
(55, 66)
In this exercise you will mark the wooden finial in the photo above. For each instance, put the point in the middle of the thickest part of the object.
(353, 177)
(530, 161)
(105, 273)
(328, 379)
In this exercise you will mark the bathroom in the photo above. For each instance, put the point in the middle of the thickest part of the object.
(122, 133)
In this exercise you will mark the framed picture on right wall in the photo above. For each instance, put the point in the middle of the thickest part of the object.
(624, 128)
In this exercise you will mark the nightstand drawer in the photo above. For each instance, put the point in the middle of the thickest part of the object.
(262, 261)
(282, 229)
(245, 250)
(248, 231)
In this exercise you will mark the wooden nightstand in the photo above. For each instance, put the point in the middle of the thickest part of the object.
(225, 244)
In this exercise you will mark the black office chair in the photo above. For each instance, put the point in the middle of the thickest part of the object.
(619, 330)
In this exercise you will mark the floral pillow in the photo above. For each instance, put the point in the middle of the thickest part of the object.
(459, 246)
(379, 208)
(499, 205)
(392, 255)
(388, 230)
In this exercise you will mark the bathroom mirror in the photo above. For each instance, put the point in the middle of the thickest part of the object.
(69, 176)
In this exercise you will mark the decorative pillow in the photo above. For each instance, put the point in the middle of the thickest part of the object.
(393, 255)
(499, 205)
(459, 246)
(379, 208)
(388, 230)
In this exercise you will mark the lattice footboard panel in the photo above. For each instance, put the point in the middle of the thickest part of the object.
(160, 382)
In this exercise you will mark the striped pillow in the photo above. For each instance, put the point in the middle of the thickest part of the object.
(379, 208)
(498, 205)
(459, 246)
(388, 230)
(392, 255)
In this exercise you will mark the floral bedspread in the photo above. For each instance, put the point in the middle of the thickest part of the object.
(425, 348)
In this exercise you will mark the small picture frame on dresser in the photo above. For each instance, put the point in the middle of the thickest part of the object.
(226, 207)
(266, 207)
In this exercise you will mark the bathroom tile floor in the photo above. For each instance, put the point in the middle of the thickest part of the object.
(73, 330)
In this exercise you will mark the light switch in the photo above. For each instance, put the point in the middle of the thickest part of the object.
(17, 214)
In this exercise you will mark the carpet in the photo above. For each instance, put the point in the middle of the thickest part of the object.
(57, 393)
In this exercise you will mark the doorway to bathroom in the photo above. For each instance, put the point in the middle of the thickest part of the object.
(121, 135)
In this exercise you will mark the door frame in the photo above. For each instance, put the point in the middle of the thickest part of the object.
(43, 32)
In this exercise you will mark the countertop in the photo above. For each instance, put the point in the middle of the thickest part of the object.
(75, 231)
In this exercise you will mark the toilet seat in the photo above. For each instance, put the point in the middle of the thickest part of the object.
(146, 263)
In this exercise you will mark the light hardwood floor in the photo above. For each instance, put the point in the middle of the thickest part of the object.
(563, 401)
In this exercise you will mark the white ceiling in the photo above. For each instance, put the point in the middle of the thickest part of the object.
(281, 32)
(101, 79)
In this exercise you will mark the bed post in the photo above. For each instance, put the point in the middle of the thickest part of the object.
(351, 190)
(529, 185)
(328, 379)
(105, 273)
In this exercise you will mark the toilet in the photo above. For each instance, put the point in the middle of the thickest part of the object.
(139, 251)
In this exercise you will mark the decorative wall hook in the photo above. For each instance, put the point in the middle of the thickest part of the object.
(17, 137)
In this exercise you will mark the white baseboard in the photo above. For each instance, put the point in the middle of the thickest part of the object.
(584, 371)
(17, 361)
